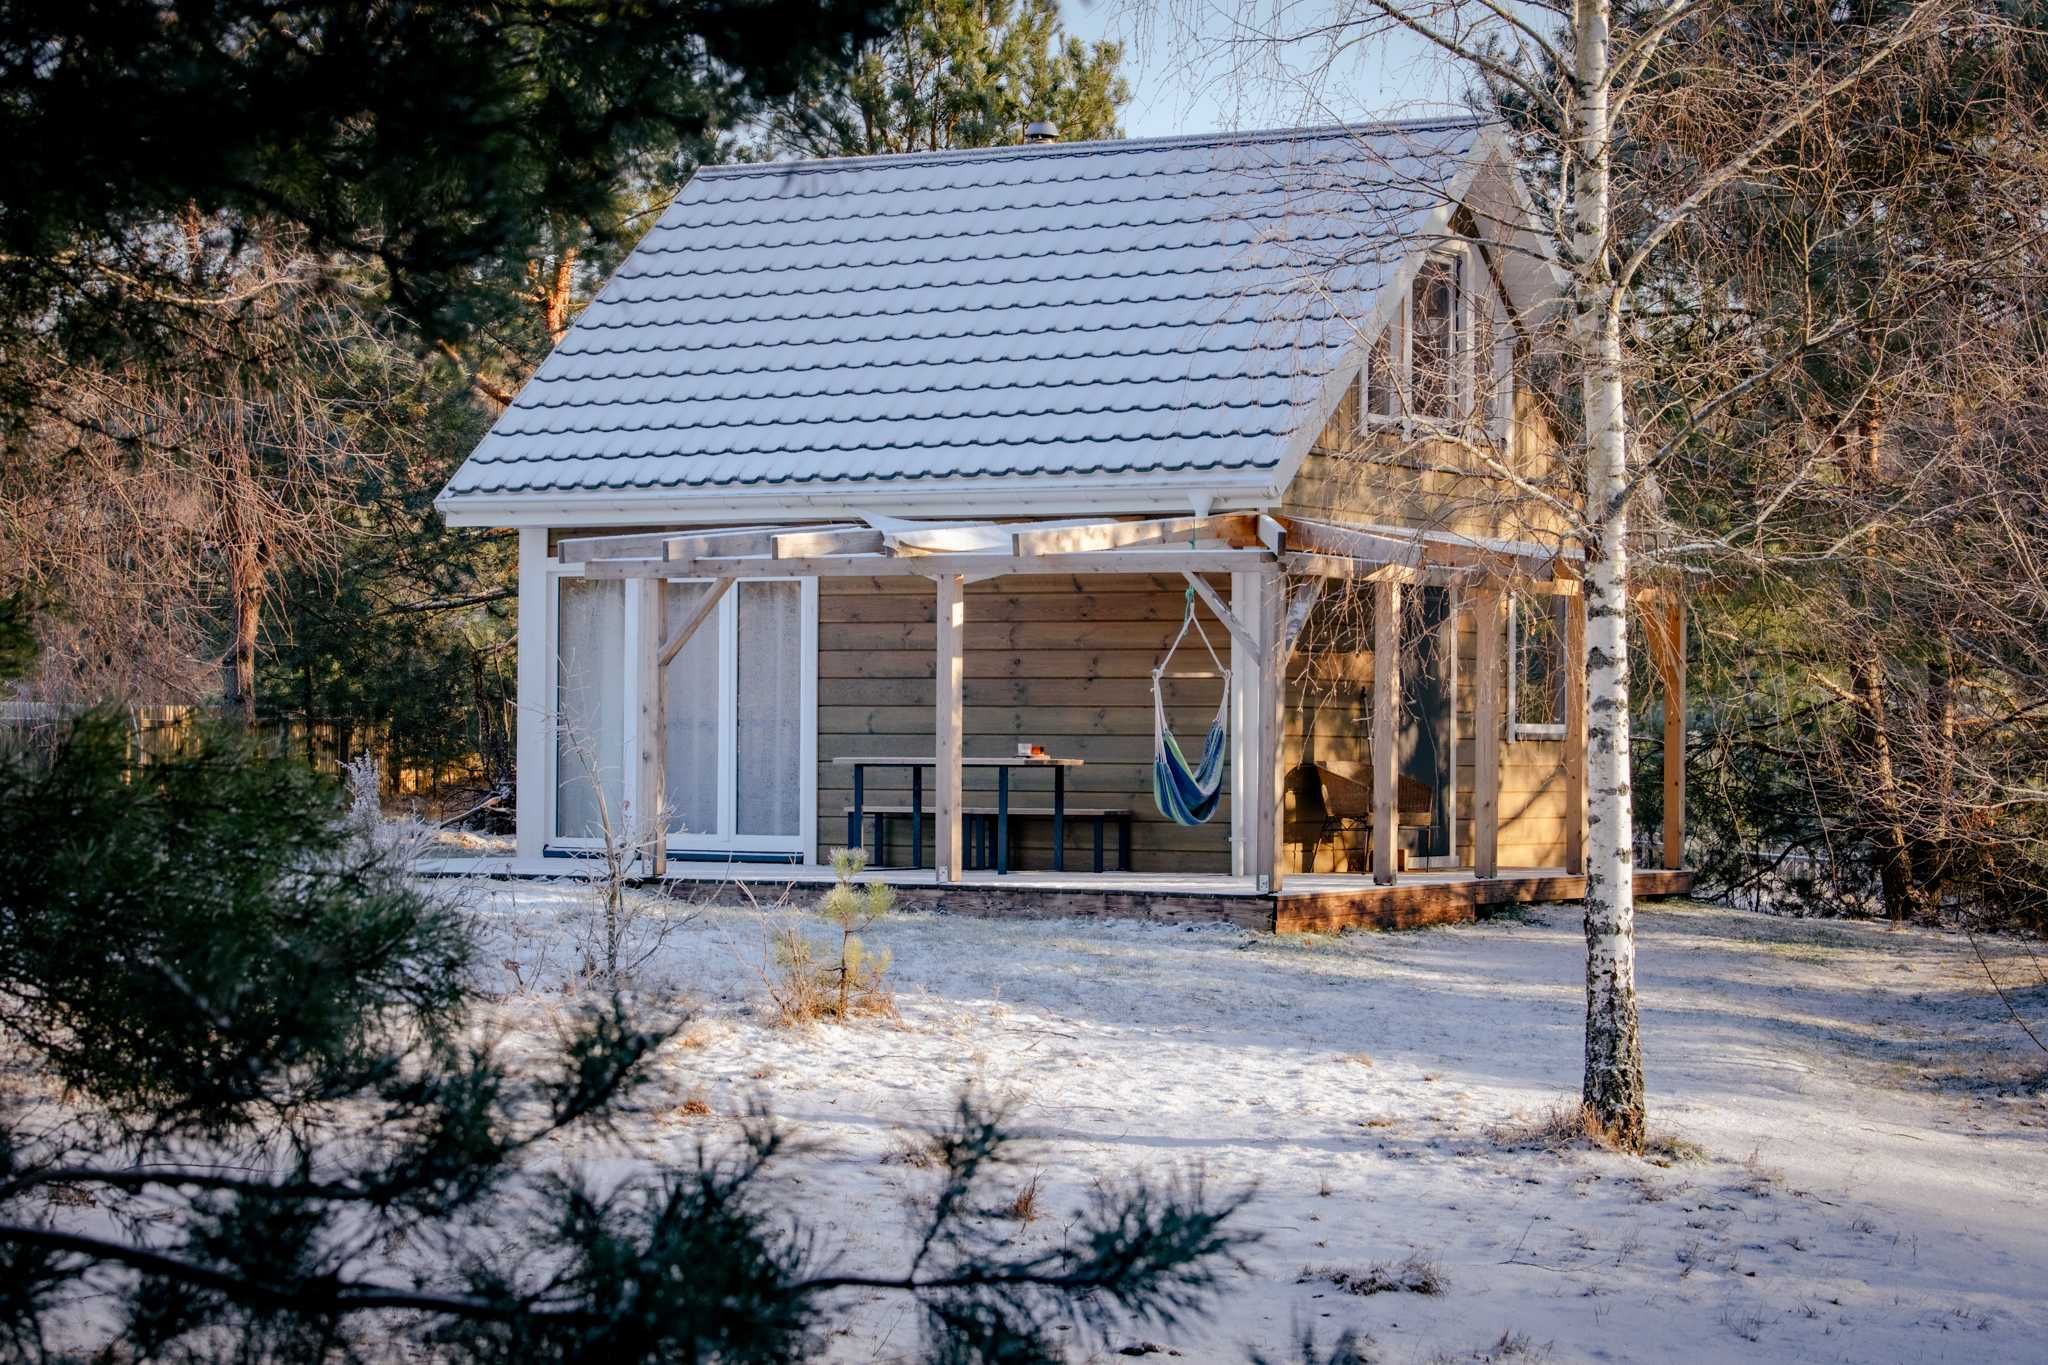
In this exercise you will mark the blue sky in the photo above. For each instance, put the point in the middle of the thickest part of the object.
(1192, 72)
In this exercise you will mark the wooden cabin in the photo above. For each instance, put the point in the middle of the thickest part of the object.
(930, 458)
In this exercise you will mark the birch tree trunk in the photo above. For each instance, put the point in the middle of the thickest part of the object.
(1613, 1089)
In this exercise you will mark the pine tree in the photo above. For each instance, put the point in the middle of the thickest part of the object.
(284, 1141)
(950, 74)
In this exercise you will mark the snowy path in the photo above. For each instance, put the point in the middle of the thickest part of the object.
(1875, 1131)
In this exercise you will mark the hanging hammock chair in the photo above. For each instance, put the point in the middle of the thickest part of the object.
(1189, 796)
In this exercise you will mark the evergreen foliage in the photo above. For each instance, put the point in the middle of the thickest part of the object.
(814, 985)
(430, 139)
(950, 74)
(284, 1138)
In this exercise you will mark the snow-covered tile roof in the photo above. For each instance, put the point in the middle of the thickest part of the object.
(1078, 312)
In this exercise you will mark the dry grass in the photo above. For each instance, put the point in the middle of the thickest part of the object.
(1570, 1126)
(807, 990)
(694, 1106)
(1418, 1274)
(1024, 1207)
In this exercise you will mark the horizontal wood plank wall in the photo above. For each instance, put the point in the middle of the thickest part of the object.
(1061, 660)
(1383, 478)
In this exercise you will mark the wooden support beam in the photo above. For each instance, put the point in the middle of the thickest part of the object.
(702, 612)
(648, 826)
(1272, 534)
(1304, 565)
(1489, 681)
(1674, 733)
(950, 725)
(1367, 547)
(726, 540)
(1575, 737)
(1386, 702)
(847, 540)
(1138, 561)
(1224, 614)
(1245, 747)
(1238, 529)
(1298, 608)
(1268, 863)
(1429, 549)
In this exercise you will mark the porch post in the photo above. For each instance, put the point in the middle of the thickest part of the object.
(1267, 864)
(649, 826)
(1488, 680)
(1575, 736)
(1386, 698)
(534, 717)
(1674, 733)
(949, 679)
(1245, 743)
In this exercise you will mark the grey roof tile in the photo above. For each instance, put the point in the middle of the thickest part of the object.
(1167, 307)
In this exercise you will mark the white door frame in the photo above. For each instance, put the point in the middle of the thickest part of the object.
(798, 845)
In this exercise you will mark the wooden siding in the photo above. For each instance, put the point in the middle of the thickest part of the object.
(1061, 660)
(1381, 479)
(1384, 478)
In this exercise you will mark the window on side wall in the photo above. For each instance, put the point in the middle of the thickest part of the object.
(1380, 400)
(1439, 352)
(1537, 643)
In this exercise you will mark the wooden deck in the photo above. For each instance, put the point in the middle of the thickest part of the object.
(1306, 904)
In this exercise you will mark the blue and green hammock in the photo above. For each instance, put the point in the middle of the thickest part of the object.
(1189, 796)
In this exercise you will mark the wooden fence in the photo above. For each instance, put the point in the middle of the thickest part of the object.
(155, 732)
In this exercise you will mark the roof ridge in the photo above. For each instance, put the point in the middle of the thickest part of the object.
(1100, 146)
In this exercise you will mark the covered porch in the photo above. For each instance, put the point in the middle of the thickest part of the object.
(1261, 579)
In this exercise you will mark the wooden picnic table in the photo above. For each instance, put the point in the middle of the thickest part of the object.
(860, 763)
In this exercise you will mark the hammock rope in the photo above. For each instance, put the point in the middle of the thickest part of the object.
(1189, 796)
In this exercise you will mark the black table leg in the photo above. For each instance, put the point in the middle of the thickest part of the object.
(1002, 821)
(916, 816)
(853, 816)
(1098, 843)
(1059, 819)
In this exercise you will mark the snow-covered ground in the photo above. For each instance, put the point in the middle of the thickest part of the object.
(1871, 1181)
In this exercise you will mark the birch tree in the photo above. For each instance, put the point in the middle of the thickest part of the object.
(1568, 74)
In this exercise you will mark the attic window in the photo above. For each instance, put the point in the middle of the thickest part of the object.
(1441, 339)
(1379, 397)
(1447, 352)
(1537, 666)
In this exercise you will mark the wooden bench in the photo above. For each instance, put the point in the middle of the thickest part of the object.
(978, 827)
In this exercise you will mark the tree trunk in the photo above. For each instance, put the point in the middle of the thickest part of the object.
(1614, 1060)
(1894, 857)
(245, 617)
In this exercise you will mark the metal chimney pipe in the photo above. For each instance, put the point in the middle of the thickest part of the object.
(1045, 130)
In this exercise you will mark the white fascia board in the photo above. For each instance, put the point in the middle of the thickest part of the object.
(1536, 246)
(1233, 491)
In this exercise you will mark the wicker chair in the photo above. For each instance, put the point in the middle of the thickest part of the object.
(1331, 805)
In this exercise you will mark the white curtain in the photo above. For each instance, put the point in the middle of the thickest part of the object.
(590, 707)
(770, 738)
(693, 676)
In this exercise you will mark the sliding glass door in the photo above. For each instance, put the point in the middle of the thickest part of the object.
(741, 738)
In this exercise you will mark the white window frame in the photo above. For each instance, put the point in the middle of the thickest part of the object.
(1369, 421)
(805, 839)
(1471, 268)
(1518, 729)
